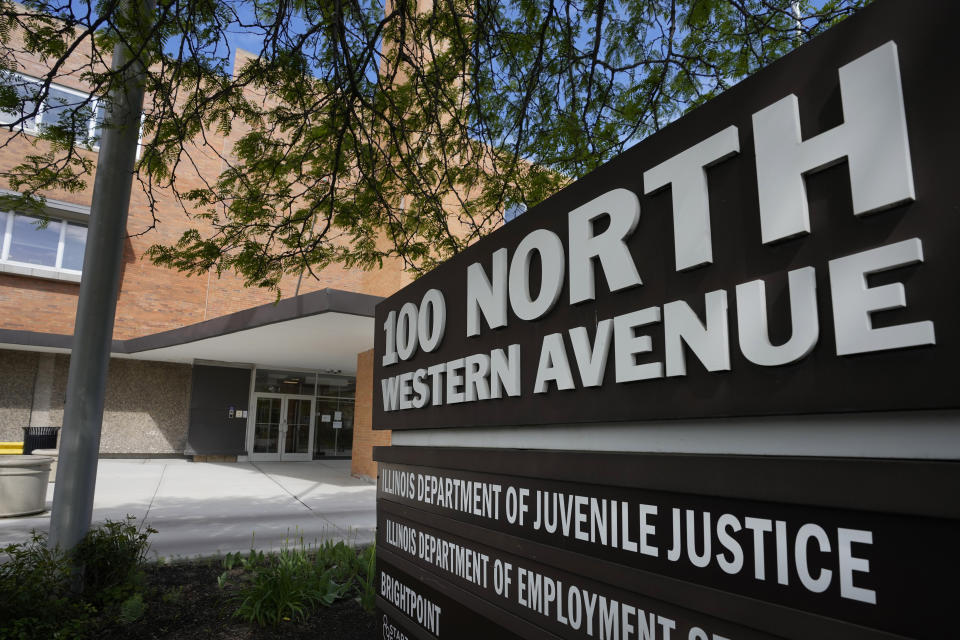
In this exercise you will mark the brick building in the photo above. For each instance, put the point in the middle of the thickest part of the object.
(201, 366)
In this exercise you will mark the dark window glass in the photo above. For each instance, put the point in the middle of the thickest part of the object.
(98, 123)
(294, 382)
(67, 110)
(31, 244)
(333, 433)
(513, 210)
(266, 434)
(15, 100)
(336, 386)
(333, 428)
(74, 242)
(62, 108)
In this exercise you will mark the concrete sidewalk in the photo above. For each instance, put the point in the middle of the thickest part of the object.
(204, 509)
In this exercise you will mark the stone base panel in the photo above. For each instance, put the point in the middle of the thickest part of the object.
(146, 407)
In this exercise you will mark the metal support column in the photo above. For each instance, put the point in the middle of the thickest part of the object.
(96, 308)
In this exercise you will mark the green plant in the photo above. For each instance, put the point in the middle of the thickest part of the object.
(132, 609)
(246, 562)
(366, 588)
(51, 594)
(298, 580)
(172, 595)
(351, 567)
(340, 559)
(287, 586)
(112, 556)
(36, 600)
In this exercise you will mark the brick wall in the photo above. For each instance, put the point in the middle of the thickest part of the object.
(364, 437)
(154, 299)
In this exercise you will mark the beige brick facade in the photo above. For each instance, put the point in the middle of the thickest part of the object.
(152, 298)
(147, 403)
(364, 437)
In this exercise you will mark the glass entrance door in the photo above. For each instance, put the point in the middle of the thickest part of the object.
(281, 427)
(266, 427)
(299, 429)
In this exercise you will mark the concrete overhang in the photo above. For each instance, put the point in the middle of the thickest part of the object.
(322, 330)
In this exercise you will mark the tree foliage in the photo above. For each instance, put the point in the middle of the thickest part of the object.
(360, 130)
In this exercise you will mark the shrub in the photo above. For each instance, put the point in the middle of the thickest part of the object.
(36, 600)
(132, 609)
(49, 594)
(112, 556)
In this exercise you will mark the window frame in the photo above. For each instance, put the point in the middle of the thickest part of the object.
(33, 125)
(55, 211)
(7, 241)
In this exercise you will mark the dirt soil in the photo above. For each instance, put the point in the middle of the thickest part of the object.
(185, 603)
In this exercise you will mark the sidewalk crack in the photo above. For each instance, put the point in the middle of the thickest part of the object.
(317, 514)
(163, 472)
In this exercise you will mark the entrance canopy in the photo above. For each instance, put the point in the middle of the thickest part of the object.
(323, 329)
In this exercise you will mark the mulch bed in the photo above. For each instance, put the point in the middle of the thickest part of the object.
(185, 603)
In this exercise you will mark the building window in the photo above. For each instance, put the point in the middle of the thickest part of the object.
(292, 382)
(335, 400)
(513, 210)
(57, 246)
(59, 107)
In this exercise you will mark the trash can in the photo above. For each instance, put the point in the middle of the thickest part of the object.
(39, 438)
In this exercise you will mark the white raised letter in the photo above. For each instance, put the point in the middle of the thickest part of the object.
(454, 378)
(807, 531)
(553, 365)
(406, 389)
(490, 298)
(849, 564)
(626, 344)
(432, 321)
(421, 388)
(873, 138)
(592, 362)
(391, 393)
(407, 331)
(623, 208)
(752, 320)
(854, 301)
(478, 367)
(710, 342)
(505, 371)
(548, 245)
(687, 172)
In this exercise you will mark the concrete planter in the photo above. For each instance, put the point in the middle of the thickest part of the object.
(54, 455)
(23, 484)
